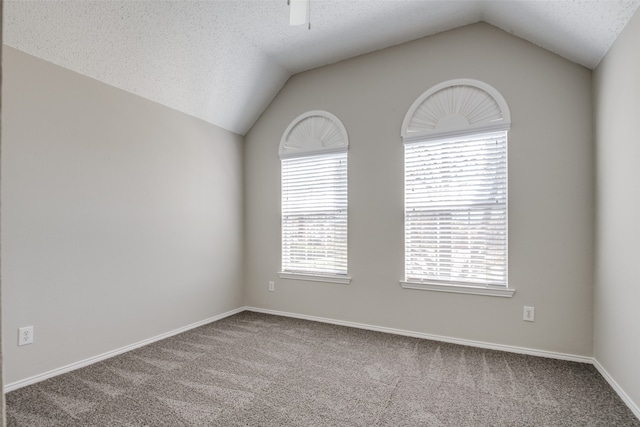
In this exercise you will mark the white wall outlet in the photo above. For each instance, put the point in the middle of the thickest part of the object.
(25, 335)
(272, 286)
(529, 314)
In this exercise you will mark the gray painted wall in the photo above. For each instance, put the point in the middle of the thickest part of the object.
(617, 291)
(550, 181)
(120, 217)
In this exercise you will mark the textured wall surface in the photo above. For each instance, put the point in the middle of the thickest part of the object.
(550, 199)
(617, 291)
(120, 217)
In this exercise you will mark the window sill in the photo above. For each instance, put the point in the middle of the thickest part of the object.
(344, 280)
(460, 289)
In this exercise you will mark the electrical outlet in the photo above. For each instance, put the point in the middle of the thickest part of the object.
(272, 286)
(529, 314)
(25, 335)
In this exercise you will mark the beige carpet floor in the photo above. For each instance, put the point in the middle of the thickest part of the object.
(260, 370)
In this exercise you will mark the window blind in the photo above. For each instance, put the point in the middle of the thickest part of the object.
(456, 210)
(314, 214)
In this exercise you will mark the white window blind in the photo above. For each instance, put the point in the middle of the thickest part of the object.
(314, 214)
(456, 210)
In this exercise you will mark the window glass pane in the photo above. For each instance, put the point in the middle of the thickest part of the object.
(456, 210)
(314, 214)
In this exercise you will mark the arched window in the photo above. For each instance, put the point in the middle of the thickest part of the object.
(313, 153)
(455, 141)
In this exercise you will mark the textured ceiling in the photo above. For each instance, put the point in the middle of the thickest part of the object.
(225, 60)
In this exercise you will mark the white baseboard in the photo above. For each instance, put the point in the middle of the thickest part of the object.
(471, 343)
(614, 385)
(73, 366)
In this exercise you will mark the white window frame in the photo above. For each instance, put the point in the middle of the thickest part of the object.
(315, 142)
(449, 112)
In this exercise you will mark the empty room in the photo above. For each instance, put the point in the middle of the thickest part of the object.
(320, 213)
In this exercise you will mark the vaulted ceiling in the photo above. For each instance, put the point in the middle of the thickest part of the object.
(224, 60)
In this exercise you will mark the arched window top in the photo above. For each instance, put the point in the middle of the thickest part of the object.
(456, 107)
(313, 132)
